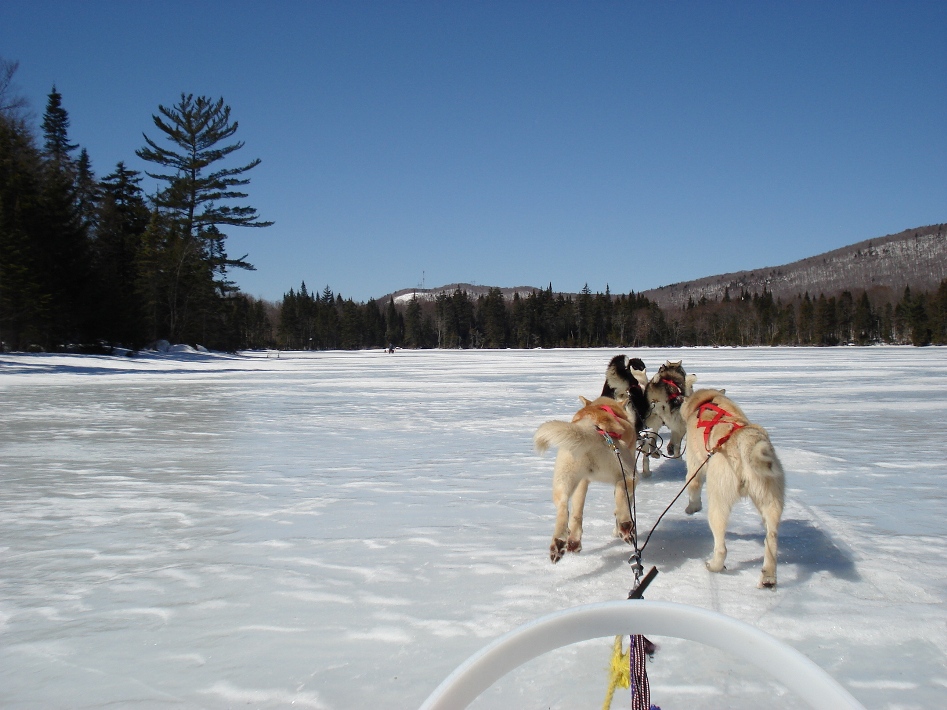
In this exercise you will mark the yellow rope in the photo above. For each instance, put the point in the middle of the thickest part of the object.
(619, 672)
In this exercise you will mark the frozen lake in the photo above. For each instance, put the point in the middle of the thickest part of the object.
(341, 530)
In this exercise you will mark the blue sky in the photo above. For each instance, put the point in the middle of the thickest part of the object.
(522, 143)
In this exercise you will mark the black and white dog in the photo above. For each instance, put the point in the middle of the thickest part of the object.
(627, 377)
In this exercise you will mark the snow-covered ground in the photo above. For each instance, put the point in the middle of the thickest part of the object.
(341, 530)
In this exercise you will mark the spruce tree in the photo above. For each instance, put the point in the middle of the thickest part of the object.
(24, 299)
(87, 193)
(61, 238)
(56, 131)
(394, 324)
(122, 218)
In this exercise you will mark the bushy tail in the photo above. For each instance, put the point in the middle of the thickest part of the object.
(564, 435)
(764, 458)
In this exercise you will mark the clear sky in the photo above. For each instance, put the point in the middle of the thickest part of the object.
(633, 144)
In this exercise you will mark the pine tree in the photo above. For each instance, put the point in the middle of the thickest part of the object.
(413, 336)
(196, 202)
(864, 320)
(394, 325)
(493, 318)
(24, 299)
(806, 320)
(56, 132)
(87, 193)
(61, 237)
(122, 218)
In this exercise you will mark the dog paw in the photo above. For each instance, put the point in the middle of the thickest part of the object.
(715, 566)
(626, 530)
(692, 508)
(557, 550)
(767, 581)
(574, 545)
(670, 449)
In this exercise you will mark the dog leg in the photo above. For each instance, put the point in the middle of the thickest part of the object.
(624, 525)
(574, 543)
(645, 461)
(647, 449)
(721, 495)
(693, 492)
(560, 498)
(674, 445)
(695, 460)
(771, 512)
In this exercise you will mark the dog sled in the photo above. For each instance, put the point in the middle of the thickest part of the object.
(784, 663)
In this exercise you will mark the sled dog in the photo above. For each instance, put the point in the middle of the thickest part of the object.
(740, 462)
(665, 394)
(586, 454)
(627, 377)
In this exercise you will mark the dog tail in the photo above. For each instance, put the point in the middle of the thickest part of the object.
(559, 435)
(764, 458)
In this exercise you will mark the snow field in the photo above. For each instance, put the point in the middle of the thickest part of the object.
(341, 530)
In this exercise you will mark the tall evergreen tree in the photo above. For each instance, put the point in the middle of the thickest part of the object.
(87, 193)
(56, 131)
(122, 218)
(394, 324)
(24, 298)
(196, 201)
(61, 237)
(864, 320)
(413, 322)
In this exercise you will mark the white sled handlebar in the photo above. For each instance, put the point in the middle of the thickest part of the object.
(581, 623)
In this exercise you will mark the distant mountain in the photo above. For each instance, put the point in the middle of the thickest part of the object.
(429, 294)
(914, 257)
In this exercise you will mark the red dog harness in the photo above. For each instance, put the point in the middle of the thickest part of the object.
(609, 410)
(718, 416)
(675, 391)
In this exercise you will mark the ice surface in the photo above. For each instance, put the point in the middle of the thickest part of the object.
(341, 530)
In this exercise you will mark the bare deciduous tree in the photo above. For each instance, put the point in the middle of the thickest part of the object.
(11, 103)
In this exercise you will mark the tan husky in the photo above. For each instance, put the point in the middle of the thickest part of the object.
(589, 449)
(742, 463)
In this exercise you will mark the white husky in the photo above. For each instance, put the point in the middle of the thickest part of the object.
(589, 450)
(738, 460)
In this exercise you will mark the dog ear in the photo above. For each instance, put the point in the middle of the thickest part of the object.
(689, 384)
(585, 402)
(722, 391)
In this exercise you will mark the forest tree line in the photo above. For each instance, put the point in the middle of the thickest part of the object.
(318, 321)
(89, 264)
